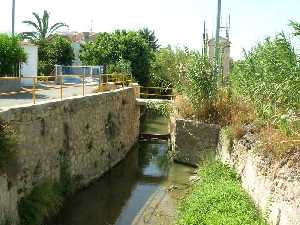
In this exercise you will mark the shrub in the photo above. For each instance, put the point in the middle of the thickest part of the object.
(269, 76)
(43, 201)
(57, 50)
(7, 145)
(121, 67)
(168, 66)
(11, 55)
(108, 48)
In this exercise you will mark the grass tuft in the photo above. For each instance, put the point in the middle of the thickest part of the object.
(218, 199)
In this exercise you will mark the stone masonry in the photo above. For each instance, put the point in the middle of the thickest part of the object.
(91, 134)
(191, 140)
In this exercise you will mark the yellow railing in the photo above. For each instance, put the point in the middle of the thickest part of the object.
(156, 92)
(58, 82)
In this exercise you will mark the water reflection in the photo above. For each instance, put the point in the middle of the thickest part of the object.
(118, 196)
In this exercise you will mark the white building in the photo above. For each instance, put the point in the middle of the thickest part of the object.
(29, 70)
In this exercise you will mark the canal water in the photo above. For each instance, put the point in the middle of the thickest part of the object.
(118, 196)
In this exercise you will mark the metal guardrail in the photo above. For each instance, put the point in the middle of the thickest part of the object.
(58, 82)
(156, 92)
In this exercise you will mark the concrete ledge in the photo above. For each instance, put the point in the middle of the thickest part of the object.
(10, 85)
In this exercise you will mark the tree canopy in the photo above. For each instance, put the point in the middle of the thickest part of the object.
(12, 54)
(110, 48)
(58, 50)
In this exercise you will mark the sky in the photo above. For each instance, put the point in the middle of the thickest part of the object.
(175, 22)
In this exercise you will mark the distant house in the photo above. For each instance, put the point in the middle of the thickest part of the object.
(76, 46)
(77, 39)
(225, 52)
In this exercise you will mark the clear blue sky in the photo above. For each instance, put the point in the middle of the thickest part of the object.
(176, 22)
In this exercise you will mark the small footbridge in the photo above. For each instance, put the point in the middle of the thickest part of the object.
(154, 96)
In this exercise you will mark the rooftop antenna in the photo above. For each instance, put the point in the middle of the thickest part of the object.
(228, 27)
(205, 40)
(217, 42)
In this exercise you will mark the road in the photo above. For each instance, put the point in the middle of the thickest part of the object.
(43, 94)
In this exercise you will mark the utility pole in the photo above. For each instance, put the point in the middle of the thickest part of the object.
(13, 18)
(217, 41)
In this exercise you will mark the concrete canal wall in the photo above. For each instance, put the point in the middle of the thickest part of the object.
(272, 183)
(90, 134)
(190, 140)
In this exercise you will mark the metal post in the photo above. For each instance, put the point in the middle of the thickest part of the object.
(13, 17)
(217, 42)
(33, 90)
(99, 83)
(61, 84)
(123, 82)
(83, 80)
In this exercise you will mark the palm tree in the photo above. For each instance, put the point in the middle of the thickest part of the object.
(42, 29)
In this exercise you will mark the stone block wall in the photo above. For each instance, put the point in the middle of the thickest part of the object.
(91, 134)
(191, 140)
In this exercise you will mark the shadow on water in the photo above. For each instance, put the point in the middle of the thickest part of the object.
(118, 196)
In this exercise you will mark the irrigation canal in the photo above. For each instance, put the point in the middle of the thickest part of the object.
(124, 195)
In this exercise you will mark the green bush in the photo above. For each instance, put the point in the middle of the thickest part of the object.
(269, 76)
(109, 48)
(121, 67)
(199, 84)
(168, 66)
(7, 145)
(44, 201)
(57, 50)
(11, 55)
(218, 198)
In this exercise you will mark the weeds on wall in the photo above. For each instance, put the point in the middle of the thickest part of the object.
(46, 199)
(43, 202)
(7, 145)
(161, 109)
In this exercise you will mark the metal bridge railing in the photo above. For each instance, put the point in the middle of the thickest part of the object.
(156, 93)
(59, 82)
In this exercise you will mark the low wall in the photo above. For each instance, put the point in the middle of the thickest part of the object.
(190, 140)
(91, 134)
(9, 85)
(274, 185)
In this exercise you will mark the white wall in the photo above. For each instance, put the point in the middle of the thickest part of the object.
(29, 69)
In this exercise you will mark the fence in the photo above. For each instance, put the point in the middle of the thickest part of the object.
(66, 85)
(157, 93)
